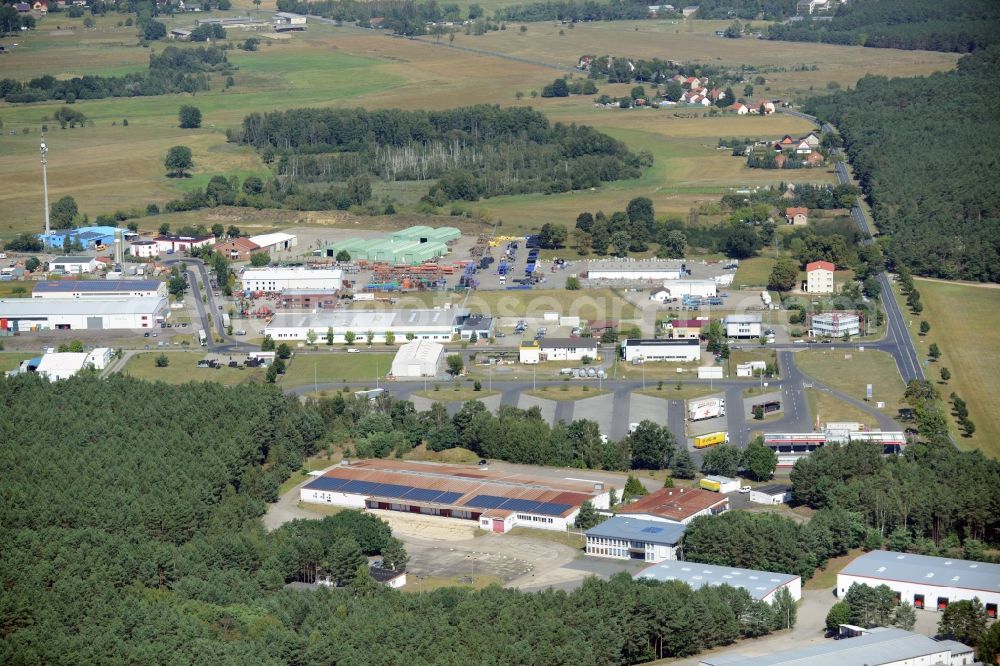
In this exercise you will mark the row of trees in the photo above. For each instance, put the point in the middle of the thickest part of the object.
(471, 152)
(927, 25)
(941, 212)
(173, 70)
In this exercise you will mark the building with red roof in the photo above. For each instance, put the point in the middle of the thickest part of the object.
(676, 505)
(819, 277)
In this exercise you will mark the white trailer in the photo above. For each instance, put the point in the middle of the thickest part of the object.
(225, 320)
(202, 339)
(706, 408)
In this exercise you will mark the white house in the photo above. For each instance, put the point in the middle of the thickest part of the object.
(924, 581)
(74, 265)
(739, 108)
(743, 325)
(836, 324)
(819, 277)
(558, 349)
(624, 538)
(145, 249)
(803, 148)
(681, 350)
(276, 279)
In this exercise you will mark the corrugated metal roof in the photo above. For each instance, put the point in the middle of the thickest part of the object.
(97, 285)
(675, 504)
(926, 570)
(758, 583)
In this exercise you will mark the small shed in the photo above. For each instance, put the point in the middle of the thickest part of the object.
(775, 493)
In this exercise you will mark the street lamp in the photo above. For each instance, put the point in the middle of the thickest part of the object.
(45, 182)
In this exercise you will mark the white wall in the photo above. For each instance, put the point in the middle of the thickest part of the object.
(529, 355)
(300, 333)
(794, 587)
(350, 500)
(931, 592)
(617, 549)
(762, 498)
(568, 354)
(678, 353)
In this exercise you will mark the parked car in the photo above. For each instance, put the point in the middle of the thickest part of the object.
(745, 489)
(353, 350)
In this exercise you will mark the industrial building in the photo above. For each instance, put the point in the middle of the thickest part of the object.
(697, 288)
(479, 324)
(285, 21)
(274, 242)
(634, 270)
(925, 581)
(625, 538)
(557, 349)
(661, 349)
(743, 325)
(170, 244)
(762, 585)
(774, 493)
(74, 265)
(417, 358)
(104, 289)
(836, 324)
(881, 646)
(237, 249)
(495, 500)
(789, 447)
(676, 505)
(63, 365)
(40, 314)
(681, 329)
(439, 325)
(819, 277)
(279, 279)
(88, 237)
(307, 299)
(413, 245)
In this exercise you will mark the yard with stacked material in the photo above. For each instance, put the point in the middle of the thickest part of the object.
(345, 66)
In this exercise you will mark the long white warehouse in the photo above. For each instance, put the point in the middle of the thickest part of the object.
(418, 358)
(924, 581)
(438, 325)
(103, 289)
(762, 585)
(661, 349)
(39, 314)
(280, 279)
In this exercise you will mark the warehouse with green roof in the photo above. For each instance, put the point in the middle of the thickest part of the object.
(413, 245)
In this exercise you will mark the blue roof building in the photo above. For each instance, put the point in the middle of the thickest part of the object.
(89, 237)
(624, 538)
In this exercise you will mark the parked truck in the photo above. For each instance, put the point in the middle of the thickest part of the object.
(706, 408)
(202, 339)
(720, 484)
(711, 439)
(225, 320)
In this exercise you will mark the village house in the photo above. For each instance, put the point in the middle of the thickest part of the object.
(797, 215)
(740, 108)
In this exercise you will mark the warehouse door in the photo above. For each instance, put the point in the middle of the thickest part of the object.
(498, 525)
(95, 322)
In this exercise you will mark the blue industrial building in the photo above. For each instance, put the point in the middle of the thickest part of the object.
(89, 237)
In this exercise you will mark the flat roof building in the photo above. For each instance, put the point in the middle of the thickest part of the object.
(557, 349)
(497, 501)
(634, 270)
(625, 538)
(100, 289)
(925, 581)
(762, 585)
(41, 314)
(836, 324)
(773, 493)
(881, 646)
(742, 325)
(169, 244)
(63, 365)
(73, 265)
(819, 277)
(279, 279)
(676, 505)
(682, 350)
(438, 325)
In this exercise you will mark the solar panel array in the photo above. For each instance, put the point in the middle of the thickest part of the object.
(521, 505)
(329, 483)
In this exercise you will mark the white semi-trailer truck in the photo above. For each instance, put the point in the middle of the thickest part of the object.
(706, 408)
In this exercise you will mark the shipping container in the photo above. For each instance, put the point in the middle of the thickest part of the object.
(711, 439)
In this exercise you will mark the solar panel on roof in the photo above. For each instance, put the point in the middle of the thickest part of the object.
(390, 490)
(421, 494)
(358, 487)
(552, 508)
(326, 483)
(448, 498)
(527, 506)
(486, 501)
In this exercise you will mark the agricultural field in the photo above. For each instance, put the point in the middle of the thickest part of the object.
(332, 66)
(336, 366)
(964, 321)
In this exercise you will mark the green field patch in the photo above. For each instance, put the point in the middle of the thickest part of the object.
(183, 368)
(850, 371)
(828, 408)
(458, 393)
(567, 391)
(11, 360)
(336, 366)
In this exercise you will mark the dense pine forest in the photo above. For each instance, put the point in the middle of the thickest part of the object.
(131, 534)
(930, 25)
(473, 152)
(173, 70)
(924, 150)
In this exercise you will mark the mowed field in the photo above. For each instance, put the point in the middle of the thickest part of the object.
(108, 167)
(965, 320)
